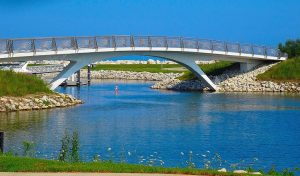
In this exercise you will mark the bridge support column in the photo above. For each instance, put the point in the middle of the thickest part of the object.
(89, 74)
(78, 77)
(193, 67)
(71, 68)
(248, 66)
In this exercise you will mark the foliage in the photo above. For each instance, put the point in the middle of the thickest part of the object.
(20, 84)
(288, 70)
(190, 163)
(291, 47)
(28, 149)
(69, 148)
(14, 164)
(10, 163)
(65, 146)
(75, 147)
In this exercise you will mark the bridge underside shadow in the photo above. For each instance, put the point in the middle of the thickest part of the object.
(80, 60)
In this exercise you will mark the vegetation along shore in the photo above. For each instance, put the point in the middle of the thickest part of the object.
(19, 91)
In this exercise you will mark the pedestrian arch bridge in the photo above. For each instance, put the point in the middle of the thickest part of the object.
(81, 51)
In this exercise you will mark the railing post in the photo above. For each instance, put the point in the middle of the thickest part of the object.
(225, 47)
(53, 45)
(1, 142)
(33, 46)
(166, 42)
(74, 43)
(265, 52)
(181, 44)
(198, 46)
(131, 42)
(239, 49)
(114, 45)
(252, 50)
(211, 46)
(279, 54)
(95, 43)
(149, 43)
(9, 47)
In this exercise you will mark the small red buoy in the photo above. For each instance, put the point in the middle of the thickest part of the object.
(116, 89)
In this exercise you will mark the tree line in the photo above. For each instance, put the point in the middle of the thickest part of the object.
(291, 47)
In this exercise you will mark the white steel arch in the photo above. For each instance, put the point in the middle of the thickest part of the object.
(82, 51)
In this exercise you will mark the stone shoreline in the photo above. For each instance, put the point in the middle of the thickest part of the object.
(229, 81)
(128, 75)
(232, 81)
(37, 102)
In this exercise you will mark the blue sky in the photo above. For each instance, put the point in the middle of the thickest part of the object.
(265, 22)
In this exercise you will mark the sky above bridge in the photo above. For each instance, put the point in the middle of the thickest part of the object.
(264, 22)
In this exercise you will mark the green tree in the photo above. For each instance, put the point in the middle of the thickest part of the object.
(291, 47)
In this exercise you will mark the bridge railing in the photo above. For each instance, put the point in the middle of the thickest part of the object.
(11, 46)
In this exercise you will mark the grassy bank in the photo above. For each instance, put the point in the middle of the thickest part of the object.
(25, 164)
(20, 84)
(153, 68)
(210, 69)
(38, 65)
(288, 70)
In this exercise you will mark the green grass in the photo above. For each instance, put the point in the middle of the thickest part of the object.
(153, 68)
(38, 64)
(20, 84)
(210, 69)
(25, 164)
(288, 70)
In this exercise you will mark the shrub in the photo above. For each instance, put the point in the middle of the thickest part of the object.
(291, 47)
(69, 148)
(28, 149)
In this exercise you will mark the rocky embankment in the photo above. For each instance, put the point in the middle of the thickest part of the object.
(111, 74)
(232, 81)
(229, 81)
(176, 84)
(36, 102)
(247, 82)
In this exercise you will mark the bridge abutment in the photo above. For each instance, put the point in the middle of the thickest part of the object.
(248, 66)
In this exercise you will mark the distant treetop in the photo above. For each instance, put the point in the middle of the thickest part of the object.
(291, 47)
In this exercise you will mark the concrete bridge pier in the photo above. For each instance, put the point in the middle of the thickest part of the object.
(78, 82)
(193, 67)
(89, 74)
(70, 69)
(249, 65)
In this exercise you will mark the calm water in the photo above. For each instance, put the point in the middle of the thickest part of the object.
(146, 122)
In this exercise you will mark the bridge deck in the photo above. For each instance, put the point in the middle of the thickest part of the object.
(10, 48)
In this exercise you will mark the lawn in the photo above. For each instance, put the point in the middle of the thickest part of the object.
(20, 84)
(209, 69)
(25, 164)
(288, 70)
(153, 68)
